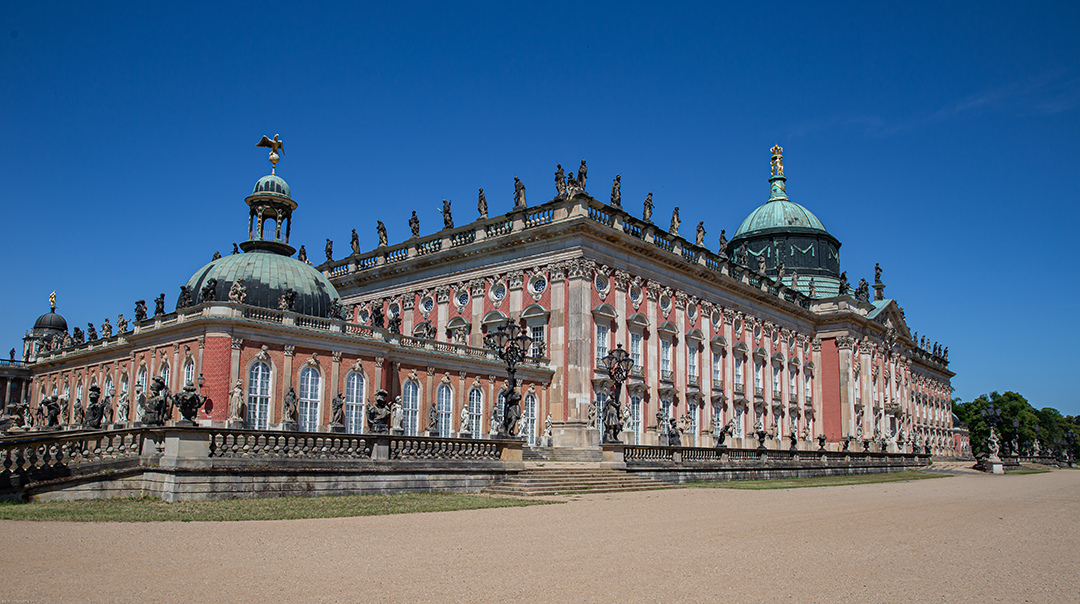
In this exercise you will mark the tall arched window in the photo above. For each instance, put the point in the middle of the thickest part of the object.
(738, 372)
(165, 374)
(445, 409)
(258, 403)
(354, 403)
(410, 399)
(476, 411)
(528, 420)
(78, 393)
(310, 387)
(601, 402)
(740, 411)
(108, 391)
(635, 418)
(141, 377)
(497, 412)
(692, 408)
(189, 373)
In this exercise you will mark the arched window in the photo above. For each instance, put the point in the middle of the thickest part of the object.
(717, 369)
(692, 409)
(189, 373)
(165, 374)
(78, 393)
(738, 370)
(497, 412)
(635, 418)
(141, 377)
(740, 411)
(258, 403)
(528, 421)
(354, 403)
(476, 411)
(445, 409)
(108, 387)
(310, 388)
(410, 398)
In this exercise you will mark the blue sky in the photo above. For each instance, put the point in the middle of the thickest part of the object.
(936, 139)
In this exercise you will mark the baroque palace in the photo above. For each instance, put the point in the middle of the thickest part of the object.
(762, 337)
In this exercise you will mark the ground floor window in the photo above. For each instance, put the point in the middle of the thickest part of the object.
(310, 386)
(410, 408)
(354, 403)
(258, 404)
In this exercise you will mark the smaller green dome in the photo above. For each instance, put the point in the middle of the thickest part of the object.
(272, 184)
(779, 214)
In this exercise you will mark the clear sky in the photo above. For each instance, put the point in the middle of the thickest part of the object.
(935, 138)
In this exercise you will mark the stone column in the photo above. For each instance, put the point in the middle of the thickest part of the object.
(286, 383)
(335, 372)
(579, 353)
(176, 372)
(557, 343)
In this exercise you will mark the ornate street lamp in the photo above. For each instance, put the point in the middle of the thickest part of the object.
(992, 413)
(510, 343)
(618, 363)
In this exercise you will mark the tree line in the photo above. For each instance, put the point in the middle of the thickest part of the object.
(1020, 427)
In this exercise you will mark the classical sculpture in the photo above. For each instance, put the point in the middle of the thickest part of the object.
(560, 180)
(612, 422)
(744, 255)
(52, 411)
(216, 257)
(189, 402)
(355, 242)
(91, 333)
(591, 418)
(158, 407)
(159, 305)
(209, 291)
(394, 324)
(275, 145)
(795, 280)
(481, 203)
(397, 415)
(433, 420)
(581, 172)
(378, 414)
(122, 408)
(862, 292)
(624, 418)
(287, 299)
(993, 444)
(511, 411)
(877, 272)
(290, 407)
(616, 192)
(493, 425)
(302, 254)
(77, 335)
(723, 242)
(414, 224)
(329, 249)
(377, 318)
(94, 410)
(519, 194)
(380, 228)
(844, 287)
(547, 428)
(646, 211)
(236, 402)
(235, 249)
(724, 432)
(336, 310)
(337, 410)
(674, 439)
(675, 222)
(106, 328)
(700, 233)
(463, 420)
(761, 263)
(813, 288)
(238, 291)
(184, 299)
(447, 217)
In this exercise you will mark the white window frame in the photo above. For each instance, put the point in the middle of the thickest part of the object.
(258, 399)
(692, 360)
(739, 370)
(602, 334)
(538, 334)
(444, 408)
(310, 396)
(410, 408)
(476, 411)
(717, 367)
(636, 340)
(354, 402)
(528, 419)
(665, 354)
(635, 417)
(189, 373)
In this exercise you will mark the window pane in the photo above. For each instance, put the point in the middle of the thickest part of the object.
(354, 403)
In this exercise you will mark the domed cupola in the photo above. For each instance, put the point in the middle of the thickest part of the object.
(50, 323)
(781, 230)
(266, 266)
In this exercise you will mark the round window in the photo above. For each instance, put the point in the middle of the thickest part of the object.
(498, 292)
(738, 326)
(691, 311)
(635, 293)
(601, 283)
(427, 304)
(463, 298)
(538, 285)
(717, 319)
(665, 303)
(393, 311)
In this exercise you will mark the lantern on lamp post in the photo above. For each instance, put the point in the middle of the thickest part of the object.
(618, 363)
(510, 343)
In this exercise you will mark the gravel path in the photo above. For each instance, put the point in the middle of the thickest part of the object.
(965, 538)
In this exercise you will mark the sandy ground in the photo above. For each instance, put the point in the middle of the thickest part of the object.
(966, 538)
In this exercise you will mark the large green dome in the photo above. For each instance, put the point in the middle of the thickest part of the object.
(266, 276)
(781, 214)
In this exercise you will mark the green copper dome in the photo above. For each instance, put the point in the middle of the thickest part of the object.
(272, 184)
(779, 214)
(266, 276)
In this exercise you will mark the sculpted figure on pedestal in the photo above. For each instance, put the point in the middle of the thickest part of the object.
(481, 203)
(519, 194)
(560, 180)
(414, 224)
(647, 208)
(616, 192)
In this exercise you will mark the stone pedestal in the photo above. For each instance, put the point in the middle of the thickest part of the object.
(187, 449)
(397, 432)
(337, 428)
(571, 434)
(234, 424)
(289, 426)
(117, 426)
(612, 457)
(994, 465)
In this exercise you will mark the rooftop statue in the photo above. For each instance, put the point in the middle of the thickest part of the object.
(744, 255)
(723, 242)
(336, 310)
(235, 249)
(862, 292)
(355, 242)
(581, 172)
(217, 256)
(380, 228)
(675, 222)
(106, 329)
(287, 299)
(877, 273)
(329, 249)
(276, 146)
(447, 217)
(844, 287)
(209, 291)
(777, 163)
(377, 317)
(761, 263)
(700, 233)
(238, 292)
(159, 305)
(302, 254)
(481, 203)
(616, 192)
(184, 299)
(78, 335)
(560, 180)
(519, 194)
(394, 324)
(414, 224)
(647, 208)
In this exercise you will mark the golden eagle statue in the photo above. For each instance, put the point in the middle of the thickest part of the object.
(276, 145)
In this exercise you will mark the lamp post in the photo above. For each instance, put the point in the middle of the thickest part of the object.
(510, 343)
(618, 363)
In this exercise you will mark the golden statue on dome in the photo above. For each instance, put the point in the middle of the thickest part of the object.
(275, 145)
(777, 160)
(52, 301)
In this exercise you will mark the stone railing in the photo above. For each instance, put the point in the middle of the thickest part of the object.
(648, 455)
(48, 456)
(417, 447)
(251, 444)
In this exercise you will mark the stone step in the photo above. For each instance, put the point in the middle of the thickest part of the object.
(573, 491)
(539, 481)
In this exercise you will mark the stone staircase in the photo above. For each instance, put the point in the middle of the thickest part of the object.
(566, 480)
